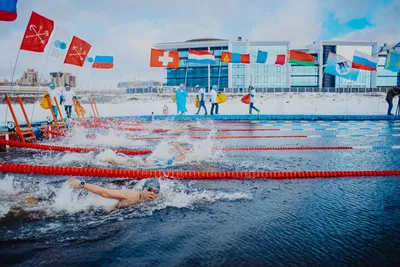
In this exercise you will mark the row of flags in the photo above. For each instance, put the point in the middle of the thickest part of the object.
(339, 66)
(170, 59)
(37, 36)
(335, 65)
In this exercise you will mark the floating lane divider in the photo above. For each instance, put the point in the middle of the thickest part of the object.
(147, 151)
(69, 149)
(242, 130)
(268, 136)
(140, 174)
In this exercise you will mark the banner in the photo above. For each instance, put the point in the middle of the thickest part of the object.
(37, 33)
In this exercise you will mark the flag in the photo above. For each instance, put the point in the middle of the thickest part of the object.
(103, 62)
(8, 10)
(364, 61)
(201, 57)
(393, 62)
(37, 33)
(264, 57)
(77, 52)
(229, 57)
(339, 66)
(163, 58)
(301, 58)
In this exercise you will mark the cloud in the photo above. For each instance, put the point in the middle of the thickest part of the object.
(128, 29)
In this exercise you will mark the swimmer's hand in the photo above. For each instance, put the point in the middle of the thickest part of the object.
(146, 195)
(73, 183)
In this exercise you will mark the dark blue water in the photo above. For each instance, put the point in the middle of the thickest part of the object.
(345, 221)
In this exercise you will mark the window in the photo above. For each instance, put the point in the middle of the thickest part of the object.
(266, 79)
(256, 69)
(256, 79)
(266, 69)
(278, 79)
(278, 69)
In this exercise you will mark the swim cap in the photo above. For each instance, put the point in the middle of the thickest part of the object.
(152, 182)
(52, 84)
(198, 86)
(214, 87)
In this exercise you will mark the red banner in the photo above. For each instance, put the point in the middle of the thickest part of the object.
(37, 33)
(77, 52)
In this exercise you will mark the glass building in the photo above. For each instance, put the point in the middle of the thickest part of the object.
(232, 75)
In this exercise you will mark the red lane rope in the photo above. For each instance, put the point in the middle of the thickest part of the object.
(140, 174)
(286, 148)
(223, 137)
(70, 149)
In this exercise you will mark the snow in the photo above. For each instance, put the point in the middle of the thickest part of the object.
(269, 103)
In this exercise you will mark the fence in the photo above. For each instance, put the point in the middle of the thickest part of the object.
(170, 89)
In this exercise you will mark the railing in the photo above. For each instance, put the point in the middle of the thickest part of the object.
(170, 89)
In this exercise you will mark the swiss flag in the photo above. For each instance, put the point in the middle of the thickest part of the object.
(162, 58)
(77, 52)
(37, 33)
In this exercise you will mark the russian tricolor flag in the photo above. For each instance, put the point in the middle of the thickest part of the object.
(201, 57)
(363, 61)
(103, 62)
(8, 10)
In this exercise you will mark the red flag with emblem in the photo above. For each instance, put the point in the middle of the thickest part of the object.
(77, 52)
(37, 33)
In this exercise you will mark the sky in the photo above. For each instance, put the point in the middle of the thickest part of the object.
(128, 29)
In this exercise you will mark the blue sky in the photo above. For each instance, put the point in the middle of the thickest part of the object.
(127, 29)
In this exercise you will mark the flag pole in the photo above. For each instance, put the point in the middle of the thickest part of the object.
(41, 74)
(219, 70)
(12, 80)
(187, 67)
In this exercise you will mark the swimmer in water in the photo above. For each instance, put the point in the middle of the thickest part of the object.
(126, 198)
(177, 158)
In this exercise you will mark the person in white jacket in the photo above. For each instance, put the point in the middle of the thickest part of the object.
(214, 103)
(253, 99)
(68, 99)
(53, 92)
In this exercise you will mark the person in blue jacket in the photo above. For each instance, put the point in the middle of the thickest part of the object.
(201, 96)
(180, 98)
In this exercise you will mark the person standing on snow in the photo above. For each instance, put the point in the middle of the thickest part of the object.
(253, 99)
(389, 98)
(68, 95)
(53, 92)
(214, 102)
(201, 96)
(180, 98)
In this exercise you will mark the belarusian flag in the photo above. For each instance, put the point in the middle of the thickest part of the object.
(300, 58)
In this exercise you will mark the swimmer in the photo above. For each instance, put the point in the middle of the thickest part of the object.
(126, 198)
(181, 157)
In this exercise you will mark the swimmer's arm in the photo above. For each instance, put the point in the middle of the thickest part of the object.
(179, 148)
(104, 192)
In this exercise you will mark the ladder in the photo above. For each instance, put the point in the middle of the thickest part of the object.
(27, 134)
(59, 125)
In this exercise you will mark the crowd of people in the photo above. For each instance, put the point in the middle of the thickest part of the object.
(66, 97)
(181, 95)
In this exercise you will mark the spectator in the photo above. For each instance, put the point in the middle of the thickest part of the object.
(214, 103)
(389, 98)
(201, 96)
(180, 98)
(68, 96)
(53, 92)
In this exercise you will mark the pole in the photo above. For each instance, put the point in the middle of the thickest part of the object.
(12, 80)
(187, 67)
(41, 74)
(219, 71)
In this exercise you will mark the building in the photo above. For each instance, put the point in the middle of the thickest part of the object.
(273, 76)
(61, 79)
(135, 83)
(29, 78)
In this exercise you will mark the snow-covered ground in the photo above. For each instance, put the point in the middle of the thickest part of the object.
(270, 103)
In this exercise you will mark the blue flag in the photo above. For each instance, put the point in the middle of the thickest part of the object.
(339, 66)
(262, 56)
(393, 62)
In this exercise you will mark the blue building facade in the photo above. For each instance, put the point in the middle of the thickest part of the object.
(231, 75)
